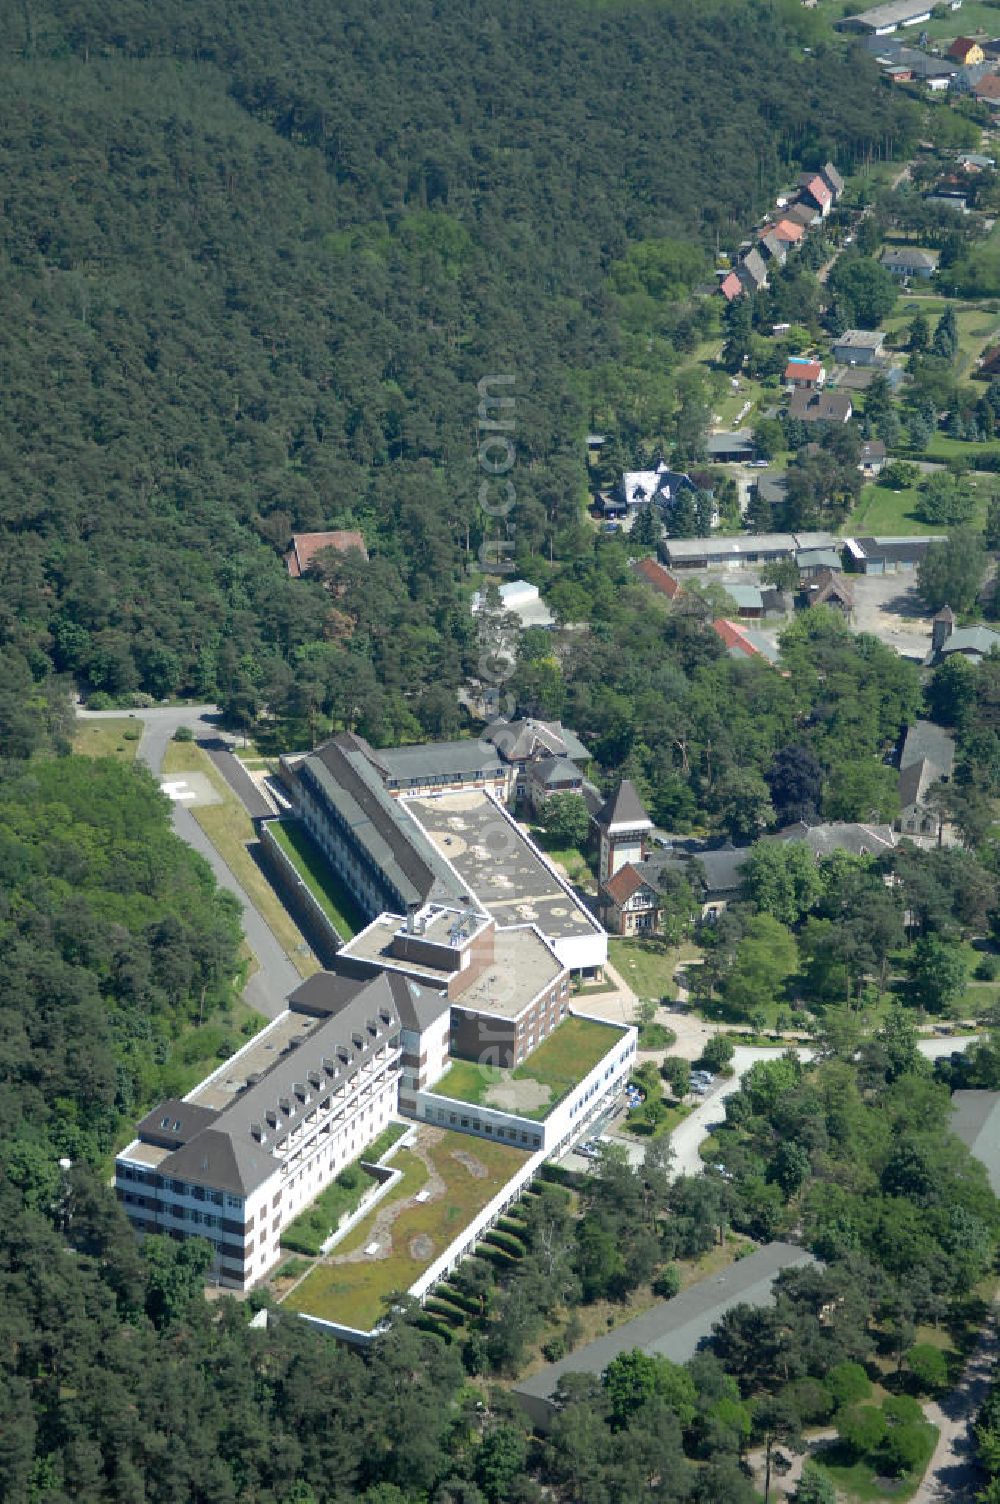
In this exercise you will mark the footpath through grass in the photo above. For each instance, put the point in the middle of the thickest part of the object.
(319, 877)
(559, 1062)
(231, 832)
(647, 965)
(354, 1290)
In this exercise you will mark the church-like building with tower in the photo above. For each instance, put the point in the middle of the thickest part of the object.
(628, 902)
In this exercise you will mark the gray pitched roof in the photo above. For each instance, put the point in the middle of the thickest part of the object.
(623, 807)
(230, 1154)
(528, 737)
(471, 757)
(342, 777)
(976, 640)
(902, 257)
(553, 770)
(833, 179)
(837, 835)
(675, 1329)
(925, 740)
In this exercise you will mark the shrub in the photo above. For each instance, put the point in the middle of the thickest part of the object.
(987, 969)
(667, 1282)
(100, 701)
(132, 734)
(929, 1367)
(349, 1177)
(861, 1427)
(183, 734)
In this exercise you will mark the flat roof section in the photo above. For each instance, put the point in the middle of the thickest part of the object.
(222, 1087)
(523, 966)
(492, 856)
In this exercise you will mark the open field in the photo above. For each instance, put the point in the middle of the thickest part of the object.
(883, 512)
(229, 828)
(108, 738)
(559, 1062)
(319, 877)
(463, 1174)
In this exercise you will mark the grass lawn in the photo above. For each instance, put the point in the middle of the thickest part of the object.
(319, 877)
(310, 1230)
(647, 966)
(882, 512)
(118, 737)
(559, 1062)
(472, 1171)
(229, 828)
(856, 1479)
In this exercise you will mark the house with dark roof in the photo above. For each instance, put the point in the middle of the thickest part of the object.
(752, 271)
(773, 248)
(988, 364)
(926, 760)
(524, 741)
(820, 406)
(871, 461)
(887, 555)
(551, 775)
(833, 180)
(829, 587)
(305, 547)
(859, 347)
(675, 1329)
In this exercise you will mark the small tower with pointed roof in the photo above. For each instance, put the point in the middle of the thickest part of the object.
(942, 627)
(623, 826)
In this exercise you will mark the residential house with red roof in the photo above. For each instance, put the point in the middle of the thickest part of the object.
(817, 192)
(629, 904)
(305, 547)
(804, 375)
(659, 578)
(731, 287)
(788, 231)
(965, 51)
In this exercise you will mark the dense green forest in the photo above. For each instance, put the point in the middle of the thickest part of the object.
(256, 262)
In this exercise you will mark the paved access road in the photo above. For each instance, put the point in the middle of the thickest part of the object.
(275, 976)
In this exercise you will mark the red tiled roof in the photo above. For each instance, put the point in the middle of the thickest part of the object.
(305, 547)
(731, 286)
(819, 190)
(624, 884)
(803, 370)
(787, 229)
(730, 636)
(661, 579)
(988, 87)
(960, 47)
